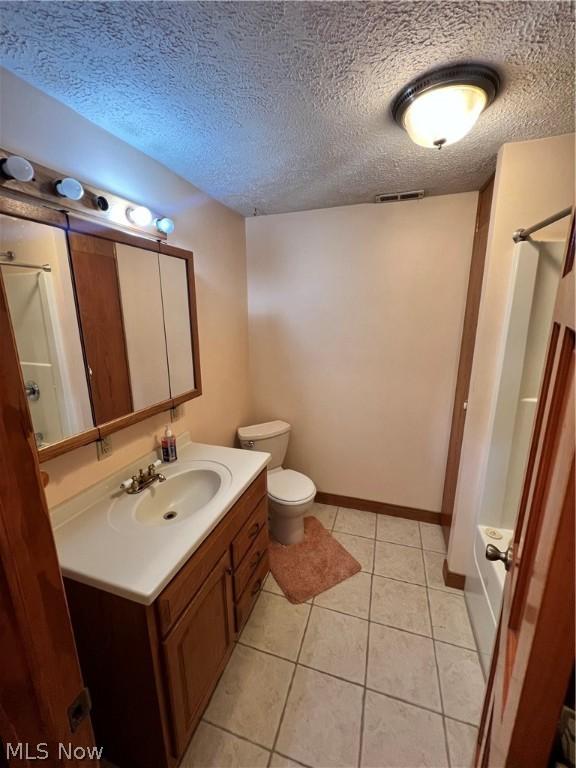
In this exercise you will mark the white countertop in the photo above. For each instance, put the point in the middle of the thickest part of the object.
(138, 562)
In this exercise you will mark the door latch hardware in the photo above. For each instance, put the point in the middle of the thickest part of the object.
(494, 554)
(79, 709)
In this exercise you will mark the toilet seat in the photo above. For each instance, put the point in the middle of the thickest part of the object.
(288, 487)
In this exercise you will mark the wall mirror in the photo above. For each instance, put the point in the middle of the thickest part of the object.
(38, 286)
(104, 323)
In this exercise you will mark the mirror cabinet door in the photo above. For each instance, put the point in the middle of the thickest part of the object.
(100, 310)
(177, 322)
(37, 282)
(140, 291)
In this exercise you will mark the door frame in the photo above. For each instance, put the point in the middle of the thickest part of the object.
(42, 681)
(467, 345)
(533, 659)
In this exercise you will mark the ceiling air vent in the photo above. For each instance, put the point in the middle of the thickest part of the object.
(395, 197)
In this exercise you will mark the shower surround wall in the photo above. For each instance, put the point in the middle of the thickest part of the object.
(534, 179)
(355, 326)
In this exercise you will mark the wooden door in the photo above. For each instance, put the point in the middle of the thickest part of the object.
(466, 354)
(534, 656)
(197, 649)
(39, 671)
(100, 311)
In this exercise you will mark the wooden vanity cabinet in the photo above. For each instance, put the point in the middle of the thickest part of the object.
(197, 650)
(152, 669)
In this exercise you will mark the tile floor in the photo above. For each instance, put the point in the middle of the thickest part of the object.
(380, 671)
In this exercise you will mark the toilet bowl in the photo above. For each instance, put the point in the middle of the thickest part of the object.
(290, 493)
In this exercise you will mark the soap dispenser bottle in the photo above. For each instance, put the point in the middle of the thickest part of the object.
(168, 446)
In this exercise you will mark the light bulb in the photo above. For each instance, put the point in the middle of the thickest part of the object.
(164, 225)
(444, 115)
(139, 215)
(18, 168)
(70, 188)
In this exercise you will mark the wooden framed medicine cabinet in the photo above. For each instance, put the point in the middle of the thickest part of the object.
(104, 323)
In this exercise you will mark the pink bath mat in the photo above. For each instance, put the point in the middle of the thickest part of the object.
(314, 565)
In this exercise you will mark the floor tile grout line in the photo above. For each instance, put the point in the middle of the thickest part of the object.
(366, 690)
(372, 620)
(438, 680)
(387, 541)
(281, 720)
(462, 722)
(362, 714)
(233, 733)
(471, 650)
(451, 642)
(307, 666)
(298, 762)
(368, 687)
(417, 706)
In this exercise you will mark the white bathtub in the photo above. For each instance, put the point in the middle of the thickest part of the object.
(484, 590)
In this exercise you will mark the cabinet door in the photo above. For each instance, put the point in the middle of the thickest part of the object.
(197, 650)
(100, 309)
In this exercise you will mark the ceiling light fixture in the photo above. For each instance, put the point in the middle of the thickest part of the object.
(139, 215)
(441, 107)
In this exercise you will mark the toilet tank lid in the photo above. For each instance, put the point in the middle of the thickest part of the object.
(263, 431)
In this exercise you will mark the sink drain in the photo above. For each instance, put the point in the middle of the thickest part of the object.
(169, 515)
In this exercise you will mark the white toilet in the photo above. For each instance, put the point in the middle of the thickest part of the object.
(290, 493)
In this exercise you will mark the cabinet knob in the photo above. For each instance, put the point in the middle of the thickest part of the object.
(254, 530)
(256, 587)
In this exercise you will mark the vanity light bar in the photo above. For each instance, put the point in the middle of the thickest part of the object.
(23, 179)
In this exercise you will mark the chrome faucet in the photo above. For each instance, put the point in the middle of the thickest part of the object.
(143, 479)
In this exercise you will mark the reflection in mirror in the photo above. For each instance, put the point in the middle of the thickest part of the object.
(139, 278)
(36, 276)
(174, 275)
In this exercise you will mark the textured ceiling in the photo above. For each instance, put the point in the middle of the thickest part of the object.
(286, 106)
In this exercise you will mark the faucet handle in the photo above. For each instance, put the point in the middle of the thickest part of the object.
(130, 484)
(152, 467)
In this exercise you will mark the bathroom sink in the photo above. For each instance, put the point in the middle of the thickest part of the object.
(177, 497)
(187, 490)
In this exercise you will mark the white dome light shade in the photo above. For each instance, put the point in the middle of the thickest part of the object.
(70, 188)
(164, 225)
(16, 167)
(444, 115)
(440, 108)
(139, 215)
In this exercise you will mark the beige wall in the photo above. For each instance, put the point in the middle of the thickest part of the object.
(51, 134)
(534, 179)
(355, 325)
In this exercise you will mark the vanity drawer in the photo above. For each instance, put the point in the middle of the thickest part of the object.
(249, 499)
(250, 562)
(244, 540)
(248, 597)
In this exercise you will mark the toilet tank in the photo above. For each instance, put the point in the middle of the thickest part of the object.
(272, 437)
